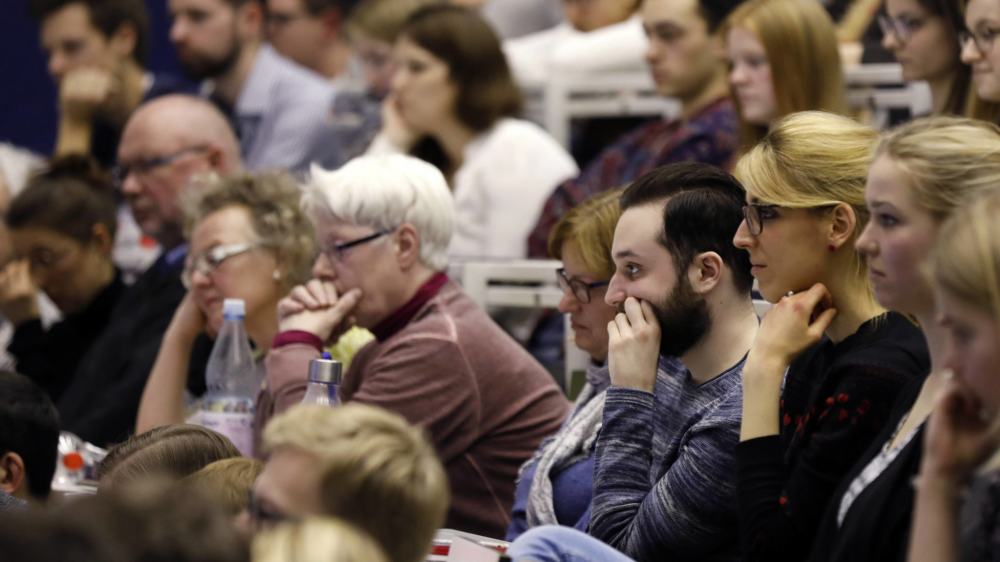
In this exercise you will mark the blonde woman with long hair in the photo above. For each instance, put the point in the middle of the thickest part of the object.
(921, 173)
(952, 521)
(828, 361)
(783, 58)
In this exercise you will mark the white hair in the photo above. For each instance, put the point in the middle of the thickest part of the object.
(386, 191)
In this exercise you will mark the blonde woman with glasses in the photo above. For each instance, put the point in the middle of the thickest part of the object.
(828, 361)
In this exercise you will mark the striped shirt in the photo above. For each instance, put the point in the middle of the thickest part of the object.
(664, 482)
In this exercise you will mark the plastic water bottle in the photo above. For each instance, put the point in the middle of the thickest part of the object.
(231, 377)
(324, 381)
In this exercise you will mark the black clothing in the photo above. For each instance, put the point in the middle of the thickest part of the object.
(49, 357)
(836, 400)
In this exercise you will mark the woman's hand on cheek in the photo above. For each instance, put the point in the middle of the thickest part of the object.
(793, 324)
(394, 127)
(961, 435)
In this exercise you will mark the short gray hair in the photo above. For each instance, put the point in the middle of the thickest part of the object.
(386, 191)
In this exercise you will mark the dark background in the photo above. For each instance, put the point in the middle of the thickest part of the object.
(27, 94)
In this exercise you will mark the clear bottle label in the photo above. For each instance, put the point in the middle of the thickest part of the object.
(237, 426)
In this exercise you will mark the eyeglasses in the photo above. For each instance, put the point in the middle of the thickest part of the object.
(580, 289)
(982, 39)
(757, 214)
(275, 19)
(901, 28)
(336, 251)
(144, 166)
(210, 260)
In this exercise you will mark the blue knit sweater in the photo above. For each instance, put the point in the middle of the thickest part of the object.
(665, 476)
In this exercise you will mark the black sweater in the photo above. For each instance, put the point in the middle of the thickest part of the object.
(49, 357)
(835, 402)
(876, 528)
(102, 401)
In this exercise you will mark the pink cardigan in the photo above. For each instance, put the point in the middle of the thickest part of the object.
(484, 401)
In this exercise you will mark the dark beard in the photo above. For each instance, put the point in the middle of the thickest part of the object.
(684, 319)
(200, 68)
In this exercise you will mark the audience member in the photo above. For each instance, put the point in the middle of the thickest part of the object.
(359, 463)
(845, 357)
(982, 20)
(159, 155)
(783, 58)
(29, 438)
(452, 104)
(250, 239)
(227, 481)
(169, 452)
(958, 488)
(663, 486)
(312, 34)
(598, 35)
(147, 522)
(384, 224)
(554, 486)
(686, 59)
(372, 30)
(97, 52)
(62, 227)
(278, 108)
(921, 172)
(923, 36)
(317, 539)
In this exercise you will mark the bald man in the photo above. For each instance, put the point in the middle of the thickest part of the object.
(167, 143)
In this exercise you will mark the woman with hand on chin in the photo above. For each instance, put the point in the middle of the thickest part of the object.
(828, 361)
(921, 173)
(957, 510)
(250, 239)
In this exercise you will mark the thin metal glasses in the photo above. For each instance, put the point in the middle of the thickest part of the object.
(209, 261)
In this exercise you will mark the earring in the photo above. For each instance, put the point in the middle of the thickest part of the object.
(276, 275)
(832, 248)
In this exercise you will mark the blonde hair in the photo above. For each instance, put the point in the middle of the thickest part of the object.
(277, 217)
(169, 451)
(800, 41)
(380, 473)
(227, 482)
(965, 261)
(946, 159)
(317, 539)
(591, 226)
(810, 160)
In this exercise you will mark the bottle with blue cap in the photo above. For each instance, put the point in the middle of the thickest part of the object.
(324, 381)
(231, 377)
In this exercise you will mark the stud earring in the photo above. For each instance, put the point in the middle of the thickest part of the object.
(276, 275)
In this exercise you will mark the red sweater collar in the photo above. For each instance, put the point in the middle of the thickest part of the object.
(402, 316)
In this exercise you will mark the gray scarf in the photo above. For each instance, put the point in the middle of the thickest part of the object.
(572, 443)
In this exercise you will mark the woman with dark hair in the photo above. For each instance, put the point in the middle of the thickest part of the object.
(62, 228)
(452, 104)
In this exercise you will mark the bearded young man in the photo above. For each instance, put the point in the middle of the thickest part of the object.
(279, 109)
(664, 465)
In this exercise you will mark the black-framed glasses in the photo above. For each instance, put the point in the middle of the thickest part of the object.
(146, 165)
(210, 260)
(901, 28)
(983, 39)
(580, 288)
(756, 214)
(336, 251)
